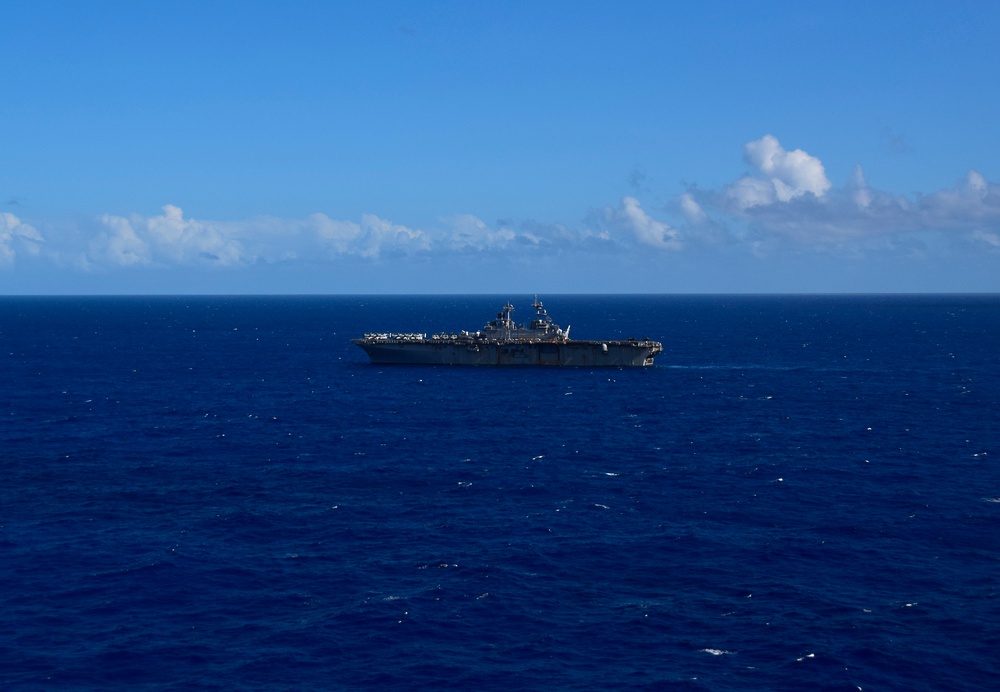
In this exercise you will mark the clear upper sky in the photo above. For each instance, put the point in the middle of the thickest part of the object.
(475, 147)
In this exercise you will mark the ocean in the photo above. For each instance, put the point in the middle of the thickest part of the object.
(217, 493)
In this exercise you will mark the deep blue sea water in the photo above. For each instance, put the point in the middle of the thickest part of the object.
(221, 493)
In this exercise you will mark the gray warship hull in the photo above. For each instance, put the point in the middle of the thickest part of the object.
(570, 353)
(504, 342)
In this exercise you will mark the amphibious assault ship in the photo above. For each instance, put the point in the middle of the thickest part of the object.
(502, 342)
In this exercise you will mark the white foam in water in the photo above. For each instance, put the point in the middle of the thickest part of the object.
(718, 652)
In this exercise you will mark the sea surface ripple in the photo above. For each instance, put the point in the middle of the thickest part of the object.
(215, 493)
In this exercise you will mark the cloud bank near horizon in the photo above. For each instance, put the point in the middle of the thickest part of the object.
(789, 201)
(17, 237)
(784, 203)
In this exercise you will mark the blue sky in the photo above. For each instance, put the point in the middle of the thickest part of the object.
(459, 147)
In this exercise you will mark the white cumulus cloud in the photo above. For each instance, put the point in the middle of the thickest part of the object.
(788, 198)
(784, 201)
(370, 238)
(973, 202)
(337, 236)
(119, 244)
(168, 238)
(691, 209)
(16, 236)
(380, 235)
(781, 175)
(635, 222)
(648, 230)
(469, 232)
(991, 239)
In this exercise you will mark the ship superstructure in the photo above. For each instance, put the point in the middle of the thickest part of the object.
(504, 342)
